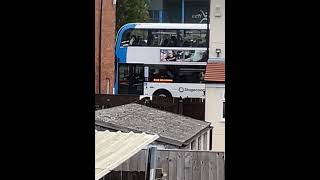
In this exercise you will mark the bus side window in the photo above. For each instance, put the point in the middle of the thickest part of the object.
(192, 38)
(165, 43)
(125, 41)
(173, 42)
(186, 43)
(204, 36)
(137, 42)
(150, 38)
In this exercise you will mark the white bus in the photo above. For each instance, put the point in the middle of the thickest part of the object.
(161, 59)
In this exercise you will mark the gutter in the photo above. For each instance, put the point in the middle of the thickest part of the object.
(108, 125)
(197, 135)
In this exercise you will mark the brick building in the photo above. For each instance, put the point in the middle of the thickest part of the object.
(104, 45)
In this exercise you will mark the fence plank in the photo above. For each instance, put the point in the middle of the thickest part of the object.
(125, 165)
(212, 166)
(220, 168)
(180, 165)
(133, 163)
(172, 165)
(196, 174)
(119, 168)
(163, 157)
(204, 160)
(135, 175)
(188, 165)
(114, 175)
(124, 175)
(130, 176)
(142, 175)
(142, 160)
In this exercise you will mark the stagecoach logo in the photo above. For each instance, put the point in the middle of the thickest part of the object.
(202, 15)
(181, 89)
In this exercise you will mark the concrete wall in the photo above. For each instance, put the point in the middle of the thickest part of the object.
(217, 28)
(213, 114)
(107, 46)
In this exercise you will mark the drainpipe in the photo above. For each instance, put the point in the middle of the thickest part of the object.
(100, 54)
(152, 162)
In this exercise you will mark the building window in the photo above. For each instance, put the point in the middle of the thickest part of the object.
(154, 16)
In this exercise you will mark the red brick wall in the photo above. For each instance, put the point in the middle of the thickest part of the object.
(107, 46)
(97, 35)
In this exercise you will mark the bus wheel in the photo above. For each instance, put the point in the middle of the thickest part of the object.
(162, 93)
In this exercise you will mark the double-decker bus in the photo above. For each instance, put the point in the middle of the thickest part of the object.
(161, 59)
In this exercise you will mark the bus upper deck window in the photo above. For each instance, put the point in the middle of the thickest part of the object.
(126, 38)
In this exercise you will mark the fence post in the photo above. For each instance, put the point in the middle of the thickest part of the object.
(147, 101)
(180, 105)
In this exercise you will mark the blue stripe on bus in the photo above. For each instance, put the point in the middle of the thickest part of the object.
(116, 86)
(121, 52)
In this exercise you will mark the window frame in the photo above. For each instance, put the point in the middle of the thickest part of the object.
(163, 32)
(178, 70)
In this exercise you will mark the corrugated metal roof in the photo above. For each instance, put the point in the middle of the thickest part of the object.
(114, 148)
(172, 128)
(215, 72)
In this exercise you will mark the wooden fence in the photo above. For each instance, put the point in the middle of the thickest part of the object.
(175, 165)
(103, 101)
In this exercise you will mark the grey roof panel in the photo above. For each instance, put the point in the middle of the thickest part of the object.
(114, 148)
(141, 118)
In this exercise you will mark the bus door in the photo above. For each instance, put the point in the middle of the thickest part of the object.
(131, 78)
